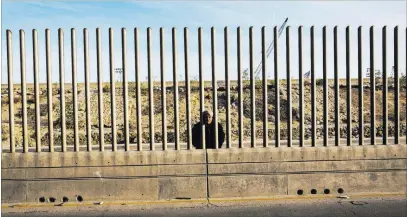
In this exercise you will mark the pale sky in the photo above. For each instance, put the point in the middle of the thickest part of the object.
(40, 15)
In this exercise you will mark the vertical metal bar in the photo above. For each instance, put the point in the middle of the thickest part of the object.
(385, 93)
(125, 90)
(201, 87)
(74, 90)
(405, 83)
(163, 91)
(138, 92)
(87, 90)
(10, 90)
(175, 79)
(37, 92)
(277, 91)
(325, 88)
(301, 86)
(336, 73)
(265, 104)
(313, 93)
(100, 90)
(372, 90)
(348, 90)
(289, 106)
(252, 91)
(150, 89)
(228, 135)
(188, 94)
(214, 88)
(239, 71)
(112, 91)
(396, 88)
(62, 88)
(23, 90)
(361, 108)
(49, 90)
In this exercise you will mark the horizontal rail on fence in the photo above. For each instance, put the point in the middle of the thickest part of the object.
(261, 112)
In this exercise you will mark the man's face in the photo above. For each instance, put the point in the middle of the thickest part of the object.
(207, 118)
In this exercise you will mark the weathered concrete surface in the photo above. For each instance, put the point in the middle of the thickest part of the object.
(107, 158)
(104, 175)
(284, 171)
(166, 175)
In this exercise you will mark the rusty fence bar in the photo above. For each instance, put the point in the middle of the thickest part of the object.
(360, 73)
(252, 91)
(301, 87)
(138, 91)
(49, 90)
(87, 90)
(163, 91)
(325, 88)
(336, 78)
(112, 91)
(313, 93)
(62, 88)
(240, 84)
(74, 90)
(175, 87)
(100, 90)
(372, 90)
(384, 78)
(227, 86)
(348, 90)
(37, 93)
(214, 88)
(276, 92)
(265, 104)
(23, 90)
(289, 104)
(396, 89)
(150, 90)
(125, 91)
(188, 87)
(10, 90)
(314, 131)
(201, 88)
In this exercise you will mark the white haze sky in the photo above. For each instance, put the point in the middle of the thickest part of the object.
(40, 15)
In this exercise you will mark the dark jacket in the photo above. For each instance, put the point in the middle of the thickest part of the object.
(209, 140)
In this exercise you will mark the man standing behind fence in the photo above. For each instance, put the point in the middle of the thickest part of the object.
(209, 131)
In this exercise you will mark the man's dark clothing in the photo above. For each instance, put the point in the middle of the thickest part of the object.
(209, 140)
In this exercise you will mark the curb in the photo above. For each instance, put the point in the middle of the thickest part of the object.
(181, 201)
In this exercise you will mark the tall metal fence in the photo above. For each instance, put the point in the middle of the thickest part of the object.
(271, 93)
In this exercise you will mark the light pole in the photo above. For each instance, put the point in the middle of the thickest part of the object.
(119, 74)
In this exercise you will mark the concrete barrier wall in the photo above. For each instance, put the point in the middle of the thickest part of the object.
(166, 175)
(103, 175)
(286, 171)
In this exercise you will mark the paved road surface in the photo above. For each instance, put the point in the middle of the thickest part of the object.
(387, 207)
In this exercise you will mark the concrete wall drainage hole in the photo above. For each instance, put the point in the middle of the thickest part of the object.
(42, 199)
(340, 191)
(79, 198)
(314, 191)
(65, 199)
(183, 198)
(52, 199)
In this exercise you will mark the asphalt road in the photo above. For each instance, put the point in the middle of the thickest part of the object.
(389, 207)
